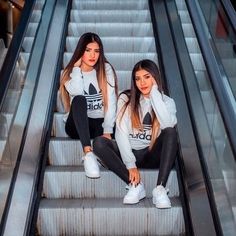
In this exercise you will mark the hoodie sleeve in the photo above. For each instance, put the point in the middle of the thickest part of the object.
(164, 108)
(110, 114)
(74, 86)
(122, 135)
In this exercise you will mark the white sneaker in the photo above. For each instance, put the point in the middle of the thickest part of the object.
(135, 194)
(91, 167)
(160, 198)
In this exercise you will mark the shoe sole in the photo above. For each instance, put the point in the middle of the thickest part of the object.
(142, 196)
(161, 206)
(93, 176)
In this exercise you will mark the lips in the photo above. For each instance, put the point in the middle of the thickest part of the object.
(144, 88)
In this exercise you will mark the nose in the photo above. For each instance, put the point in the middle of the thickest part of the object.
(92, 54)
(142, 81)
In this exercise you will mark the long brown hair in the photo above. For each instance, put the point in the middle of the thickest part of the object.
(84, 40)
(134, 97)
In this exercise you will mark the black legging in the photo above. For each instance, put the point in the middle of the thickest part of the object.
(79, 125)
(162, 155)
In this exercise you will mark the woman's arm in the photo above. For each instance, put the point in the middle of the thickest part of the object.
(122, 135)
(164, 108)
(110, 114)
(74, 86)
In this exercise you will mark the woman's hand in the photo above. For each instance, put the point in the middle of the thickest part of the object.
(134, 176)
(78, 63)
(106, 135)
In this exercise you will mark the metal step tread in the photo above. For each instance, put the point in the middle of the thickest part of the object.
(110, 24)
(100, 203)
(109, 11)
(80, 168)
(122, 16)
(119, 44)
(111, 29)
(85, 5)
(108, 217)
(71, 182)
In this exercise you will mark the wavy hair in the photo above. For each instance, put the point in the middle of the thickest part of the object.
(84, 40)
(134, 97)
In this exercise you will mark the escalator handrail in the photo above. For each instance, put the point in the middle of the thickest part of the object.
(229, 10)
(196, 213)
(223, 98)
(202, 132)
(14, 49)
(20, 212)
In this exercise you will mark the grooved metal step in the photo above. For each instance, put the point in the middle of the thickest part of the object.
(122, 16)
(27, 44)
(188, 30)
(71, 182)
(5, 123)
(110, 5)
(108, 217)
(2, 147)
(184, 16)
(192, 45)
(11, 101)
(36, 15)
(31, 30)
(94, 207)
(121, 44)
(111, 29)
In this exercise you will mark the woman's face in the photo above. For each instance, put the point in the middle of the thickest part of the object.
(90, 56)
(144, 81)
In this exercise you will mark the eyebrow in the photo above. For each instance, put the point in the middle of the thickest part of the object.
(96, 49)
(143, 75)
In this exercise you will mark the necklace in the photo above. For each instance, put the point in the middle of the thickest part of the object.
(82, 76)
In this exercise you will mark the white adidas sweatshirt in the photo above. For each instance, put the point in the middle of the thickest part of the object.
(85, 83)
(127, 138)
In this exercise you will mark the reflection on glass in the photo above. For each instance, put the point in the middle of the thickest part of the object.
(223, 36)
(217, 153)
(12, 117)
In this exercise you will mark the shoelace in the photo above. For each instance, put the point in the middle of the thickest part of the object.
(129, 186)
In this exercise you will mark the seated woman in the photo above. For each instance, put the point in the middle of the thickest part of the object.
(145, 135)
(88, 91)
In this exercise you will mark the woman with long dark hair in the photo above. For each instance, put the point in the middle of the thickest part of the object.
(89, 94)
(145, 135)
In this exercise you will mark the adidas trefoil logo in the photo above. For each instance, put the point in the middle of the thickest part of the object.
(147, 125)
(94, 98)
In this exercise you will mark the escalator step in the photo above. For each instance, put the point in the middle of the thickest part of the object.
(108, 217)
(71, 182)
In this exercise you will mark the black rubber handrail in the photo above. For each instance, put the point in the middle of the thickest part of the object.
(226, 107)
(32, 226)
(35, 139)
(14, 49)
(196, 201)
(199, 119)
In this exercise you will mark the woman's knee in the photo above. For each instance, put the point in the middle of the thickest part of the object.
(170, 132)
(79, 100)
(99, 143)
